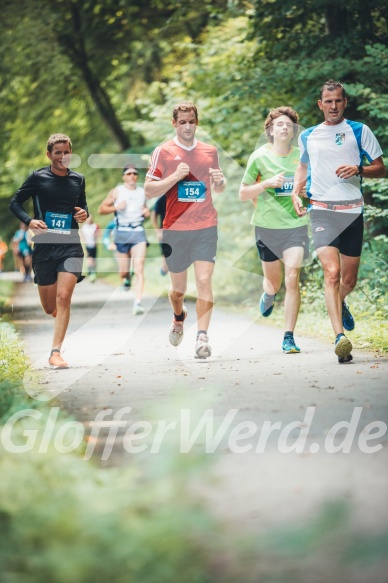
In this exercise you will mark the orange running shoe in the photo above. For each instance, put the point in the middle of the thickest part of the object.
(56, 360)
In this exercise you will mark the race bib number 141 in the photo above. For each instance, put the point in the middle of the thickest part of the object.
(58, 222)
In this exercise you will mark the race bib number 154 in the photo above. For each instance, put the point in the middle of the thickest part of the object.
(191, 191)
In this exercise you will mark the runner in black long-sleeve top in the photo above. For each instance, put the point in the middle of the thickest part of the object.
(59, 201)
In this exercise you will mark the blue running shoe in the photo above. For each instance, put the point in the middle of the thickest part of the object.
(289, 346)
(343, 348)
(266, 304)
(347, 318)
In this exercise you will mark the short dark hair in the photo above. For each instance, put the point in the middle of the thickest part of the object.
(277, 112)
(184, 106)
(58, 139)
(332, 85)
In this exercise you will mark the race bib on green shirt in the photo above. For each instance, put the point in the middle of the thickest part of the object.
(58, 222)
(287, 187)
(191, 191)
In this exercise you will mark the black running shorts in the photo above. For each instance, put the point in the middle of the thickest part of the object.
(338, 229)
(182, 248)
(49, 260)
(271, 243)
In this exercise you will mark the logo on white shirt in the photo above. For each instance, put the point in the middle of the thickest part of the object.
(339, 139)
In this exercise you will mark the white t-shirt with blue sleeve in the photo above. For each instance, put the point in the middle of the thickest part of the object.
(326, 147)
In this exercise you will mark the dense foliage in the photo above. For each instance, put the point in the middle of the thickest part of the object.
(108, 74)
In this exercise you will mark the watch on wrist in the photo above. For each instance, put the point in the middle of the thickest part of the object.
(220, 183)
(360, 170)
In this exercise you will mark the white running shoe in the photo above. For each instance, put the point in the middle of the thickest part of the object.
(175, 335)
(137, 309)
(202, 347)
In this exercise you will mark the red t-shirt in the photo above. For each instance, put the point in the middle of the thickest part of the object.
(189, 204)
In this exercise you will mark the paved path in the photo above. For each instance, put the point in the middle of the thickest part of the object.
(124, 361)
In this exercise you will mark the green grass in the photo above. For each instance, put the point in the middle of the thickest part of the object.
(6, 292)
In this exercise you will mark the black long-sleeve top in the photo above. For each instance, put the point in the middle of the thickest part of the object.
(51, 193)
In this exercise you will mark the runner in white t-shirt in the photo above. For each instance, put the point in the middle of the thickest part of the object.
(90, 232)
(128, 202)
(332, 166)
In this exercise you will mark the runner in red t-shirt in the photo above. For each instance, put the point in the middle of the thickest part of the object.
(186, 170)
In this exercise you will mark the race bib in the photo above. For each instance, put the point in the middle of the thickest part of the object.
(191, 191)
(58, 222)
(287, 187)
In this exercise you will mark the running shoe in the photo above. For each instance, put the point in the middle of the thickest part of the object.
(266, 304)
(92, 277)
(202, 347)
(343, 348)
(56, 360)
(137, 309)
(347, 318)
(289, 346)
(345, 359)
(175, 335)
(126, 284)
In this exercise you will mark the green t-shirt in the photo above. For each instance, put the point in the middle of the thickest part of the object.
(274, 209)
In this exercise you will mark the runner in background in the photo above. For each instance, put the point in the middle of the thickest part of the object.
(158, 212)
(3, 251)
(90, 232)
(127, 202)
(23, 239)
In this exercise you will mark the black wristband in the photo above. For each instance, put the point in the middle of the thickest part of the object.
(360, 170)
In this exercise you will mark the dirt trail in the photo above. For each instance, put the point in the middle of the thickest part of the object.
(124, 361)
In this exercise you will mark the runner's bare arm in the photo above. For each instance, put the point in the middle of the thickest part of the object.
(299, 189)
(153, 188)
(107, 206)
(252, 191)
(375, 169)
(217, 179)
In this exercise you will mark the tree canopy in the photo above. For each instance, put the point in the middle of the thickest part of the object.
(107, 73)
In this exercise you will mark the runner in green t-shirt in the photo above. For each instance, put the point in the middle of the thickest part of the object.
(281, 235)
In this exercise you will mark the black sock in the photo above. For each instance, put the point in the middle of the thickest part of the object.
(179, 318)
(55, 350)
(201, 332)
(288, 334)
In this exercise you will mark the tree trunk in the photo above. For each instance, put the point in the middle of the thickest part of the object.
(75, 46)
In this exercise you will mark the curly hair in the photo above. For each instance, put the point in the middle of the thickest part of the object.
(277, 112)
